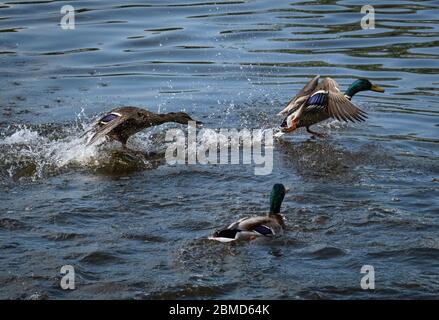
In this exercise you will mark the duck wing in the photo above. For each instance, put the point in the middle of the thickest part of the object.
(265, 226)
(262, 225)
(248, 228)
(106, 124)
(338, 106)
(301, 96)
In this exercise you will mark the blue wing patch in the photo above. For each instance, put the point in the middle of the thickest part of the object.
(263, 230)
(108, 118)
(319, 99)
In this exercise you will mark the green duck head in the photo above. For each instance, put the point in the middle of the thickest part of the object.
(362, 85)
(276, 197)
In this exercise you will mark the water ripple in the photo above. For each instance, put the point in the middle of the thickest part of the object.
(367, 194)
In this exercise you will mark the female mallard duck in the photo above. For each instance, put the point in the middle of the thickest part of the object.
(121, 123)
(250, 228)
(317, 102)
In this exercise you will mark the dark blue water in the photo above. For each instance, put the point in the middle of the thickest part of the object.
(367, 194)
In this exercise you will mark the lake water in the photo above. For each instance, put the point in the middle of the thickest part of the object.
(132, 227)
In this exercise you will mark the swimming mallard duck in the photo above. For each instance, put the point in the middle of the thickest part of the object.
(317, 102)
(251, 228)
(121, 123)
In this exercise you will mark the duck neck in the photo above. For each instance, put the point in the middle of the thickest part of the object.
(275, 203)
(352, 90)
(167, 117)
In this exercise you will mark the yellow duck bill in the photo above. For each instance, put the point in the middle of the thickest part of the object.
(376, 88)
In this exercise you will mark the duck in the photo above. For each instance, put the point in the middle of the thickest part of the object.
(318, 101)
(251, 228)
(121, 123)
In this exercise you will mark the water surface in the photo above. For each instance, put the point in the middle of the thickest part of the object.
(137, 227)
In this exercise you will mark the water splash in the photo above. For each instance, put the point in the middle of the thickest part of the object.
(35, 152)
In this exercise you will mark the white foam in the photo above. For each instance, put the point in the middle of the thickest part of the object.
(71, 150)
(26, 145)
(22, 136)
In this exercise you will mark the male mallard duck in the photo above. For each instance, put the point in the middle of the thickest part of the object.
(250, 228)
(121, 123)
(317, 102)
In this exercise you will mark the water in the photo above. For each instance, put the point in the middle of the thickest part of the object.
(137, 227)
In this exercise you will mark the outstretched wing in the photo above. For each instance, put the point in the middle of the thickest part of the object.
(316, 102)
(309, 87)
(301, 96)
(338, 106)
(105, 124)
